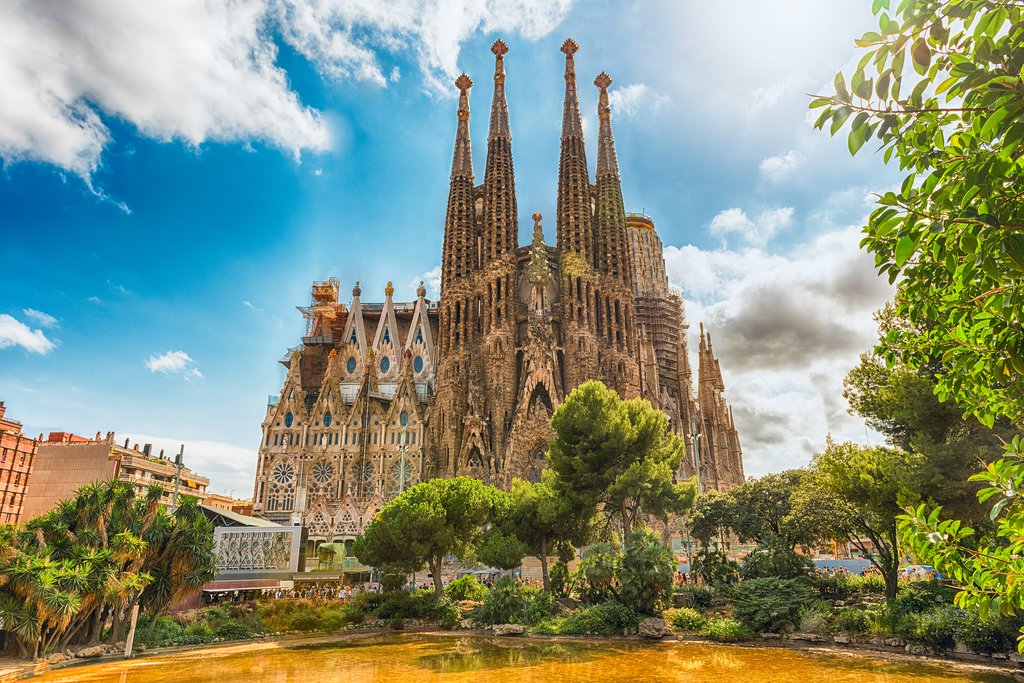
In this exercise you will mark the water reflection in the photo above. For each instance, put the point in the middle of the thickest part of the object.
(436, 658)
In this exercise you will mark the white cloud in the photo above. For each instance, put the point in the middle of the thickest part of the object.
(95, 300)
(248, 304)
(230, 468)
(632, 99)
(776, 168)
(431, 280)
(768, 223)
(43, 319)
(786, 327)
(13, 332)
(174, 362)
(199, 71)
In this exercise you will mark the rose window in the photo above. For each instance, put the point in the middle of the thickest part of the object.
(283, 474)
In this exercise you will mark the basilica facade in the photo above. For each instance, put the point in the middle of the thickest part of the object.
(380, 396)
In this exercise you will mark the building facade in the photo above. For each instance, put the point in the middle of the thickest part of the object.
(17, 458)
(381, 396)
(65, 462)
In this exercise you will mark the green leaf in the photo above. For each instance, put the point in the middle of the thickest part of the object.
(904, 250)
(839, 118)
(921, 55)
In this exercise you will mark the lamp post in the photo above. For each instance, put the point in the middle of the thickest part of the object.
(178, 464)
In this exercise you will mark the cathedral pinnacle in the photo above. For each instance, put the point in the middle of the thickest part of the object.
(462, 161)
(574, 213)
(500, 219)
(389, 290)
(607, 162)
(421, 291)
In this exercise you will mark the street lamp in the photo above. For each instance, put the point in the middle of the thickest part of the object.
(178, 464)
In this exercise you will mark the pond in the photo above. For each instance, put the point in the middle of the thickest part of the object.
(411, 658)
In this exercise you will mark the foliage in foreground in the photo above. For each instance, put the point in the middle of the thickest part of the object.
(95, 556)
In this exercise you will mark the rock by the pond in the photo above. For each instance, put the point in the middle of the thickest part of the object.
(56, 658)
(509, 630)
(842, 638)
(652, 627)
(90, 652)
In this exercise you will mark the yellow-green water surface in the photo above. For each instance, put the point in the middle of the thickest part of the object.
(397, 658)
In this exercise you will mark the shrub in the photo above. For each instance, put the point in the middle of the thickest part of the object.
(701, 597)
(162, 632)
(935, 629)
(852, 620)
(599, 566)
(770, 604)
(686, 619)
(465, 588)
(816, 619)
(604, 619)
(552, 626)
(198, 632)
(233, 630)
(714, 567)
(646, 572)
(986, 636)
(726, 630)
(774, 557)
(511, 603)
(447, 613)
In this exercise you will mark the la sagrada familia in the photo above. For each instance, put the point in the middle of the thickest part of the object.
(380, 396)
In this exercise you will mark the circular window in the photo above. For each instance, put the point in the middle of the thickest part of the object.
(323, 472)
(283, 473)
(350, 364)
(404, 418)
(364, 471)
(417, 364)
(327, 419)
(288, 419)
(385, 364)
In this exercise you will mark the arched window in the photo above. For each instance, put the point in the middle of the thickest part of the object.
(350, 364)
(417, 364)
(327, 419)
(385, 364)
(288, 419)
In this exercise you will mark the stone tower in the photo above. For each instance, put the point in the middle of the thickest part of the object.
(380, 396)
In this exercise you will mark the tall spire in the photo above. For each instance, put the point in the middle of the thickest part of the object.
(459, 254)
(575, 219)
(610, 215)
(501, 221)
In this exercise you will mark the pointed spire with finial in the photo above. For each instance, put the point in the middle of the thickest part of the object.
(574, 216)
(610, 241)
(459, 256)
(501, 220)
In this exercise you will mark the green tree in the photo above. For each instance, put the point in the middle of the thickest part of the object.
(432, 519)
(98, 554)
(859, 490)
(617, 457)
(712, 517)
(646, 573)
(952, 236)
(541, 521)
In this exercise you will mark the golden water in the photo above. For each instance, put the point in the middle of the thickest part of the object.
(397, 658)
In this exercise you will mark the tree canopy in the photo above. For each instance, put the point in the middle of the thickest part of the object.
(432, 519)
(99, 553)
(940, 86)
(617, 457)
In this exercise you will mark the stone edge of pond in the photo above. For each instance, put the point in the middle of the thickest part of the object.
(973, 664)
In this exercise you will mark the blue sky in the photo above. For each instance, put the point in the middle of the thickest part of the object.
(172, 183)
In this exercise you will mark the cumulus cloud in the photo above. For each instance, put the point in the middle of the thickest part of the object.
(199, 71)
(632, 99)
(174, 363)
(786, 328)
(40, 318)
(768, 223)
(230, 468)
(13, 332)
(776, 168)
(431, 280)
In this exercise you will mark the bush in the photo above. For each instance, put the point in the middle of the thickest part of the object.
(447, 613)
(233, 630)
(986, 636)
(160, 633)
(511, 603)
(726, 630)
(198, 632)
(852, 620)
(465, 588)
(701, 597)
(604, 619)
(816, 619)
(646, 572)
(686, 619)
(770, 604)
(935, 629)
(714, 567)
(552, 626)
(774, 557)
(843, 587)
